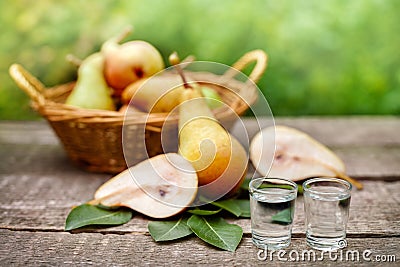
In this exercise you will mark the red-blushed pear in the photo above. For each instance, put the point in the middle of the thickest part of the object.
(158, 187)
(297, 156)
(128, 62)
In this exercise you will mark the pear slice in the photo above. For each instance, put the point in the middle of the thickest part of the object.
(158, 187)
(297, 156)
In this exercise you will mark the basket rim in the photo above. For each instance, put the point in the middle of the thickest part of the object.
(57, 111)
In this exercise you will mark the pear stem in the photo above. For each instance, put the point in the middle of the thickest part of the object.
(74, 60)
(343, 176)
(174, 60)
(118, 38)
(357, 184)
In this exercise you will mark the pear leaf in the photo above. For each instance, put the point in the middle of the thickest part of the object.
(204, 212)
(169, 230)
(216, 231)
(229, 205)
(244, 205)
(245, 184)
(238, 207)
(283, 217)
(86, 214)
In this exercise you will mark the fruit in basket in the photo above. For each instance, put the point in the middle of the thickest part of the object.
(91, 90)
(218, 158)
(129, 109)
(297, 155)
(128, 62)
(213, 99)
(158, 187)
(161, 93)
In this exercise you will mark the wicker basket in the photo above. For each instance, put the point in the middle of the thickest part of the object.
(93, 138)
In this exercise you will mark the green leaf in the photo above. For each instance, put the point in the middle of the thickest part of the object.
(198, 211)
(283, 186)
(283, 217)
(238, 207)
(245, 184)
(299, 189)
(216, 231)
(229, 205)
(244, 205)
(86, 214)
(169, 230)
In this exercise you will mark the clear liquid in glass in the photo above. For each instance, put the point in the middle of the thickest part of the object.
(327, 214)
(272, 218)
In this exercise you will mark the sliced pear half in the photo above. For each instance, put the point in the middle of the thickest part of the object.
(158, 187)
(297, 156)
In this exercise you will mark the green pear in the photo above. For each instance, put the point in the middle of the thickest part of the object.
(218, 158)
(91, 90)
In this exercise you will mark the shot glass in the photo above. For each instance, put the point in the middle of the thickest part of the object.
(272, 202)
(326, 204)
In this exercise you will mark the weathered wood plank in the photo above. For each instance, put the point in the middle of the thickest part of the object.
(42, 202)
(332, 131)
(341, 131)
(38, 186)
(349, 130)
(371, 162)
(377, 162)
(64, 249)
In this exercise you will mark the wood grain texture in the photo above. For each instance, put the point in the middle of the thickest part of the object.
(369, 146)
(39, 185)
(64, 249)
(332, 131)
(42, 202)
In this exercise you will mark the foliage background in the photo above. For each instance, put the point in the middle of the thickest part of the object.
(331, 57)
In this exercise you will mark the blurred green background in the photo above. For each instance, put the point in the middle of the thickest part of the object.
(331, 57)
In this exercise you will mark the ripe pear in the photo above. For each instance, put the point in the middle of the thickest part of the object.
(158, 187)
(128, 62)
(161, 93)
(297, 156)
(219, 159)
(91, 90)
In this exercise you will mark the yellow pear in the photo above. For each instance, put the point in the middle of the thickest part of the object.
(219, 159)
(160, 93)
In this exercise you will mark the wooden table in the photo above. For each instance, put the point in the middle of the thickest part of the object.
(38, 187)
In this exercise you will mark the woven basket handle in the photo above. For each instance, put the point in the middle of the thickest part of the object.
(261, 59)
(27, 82)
